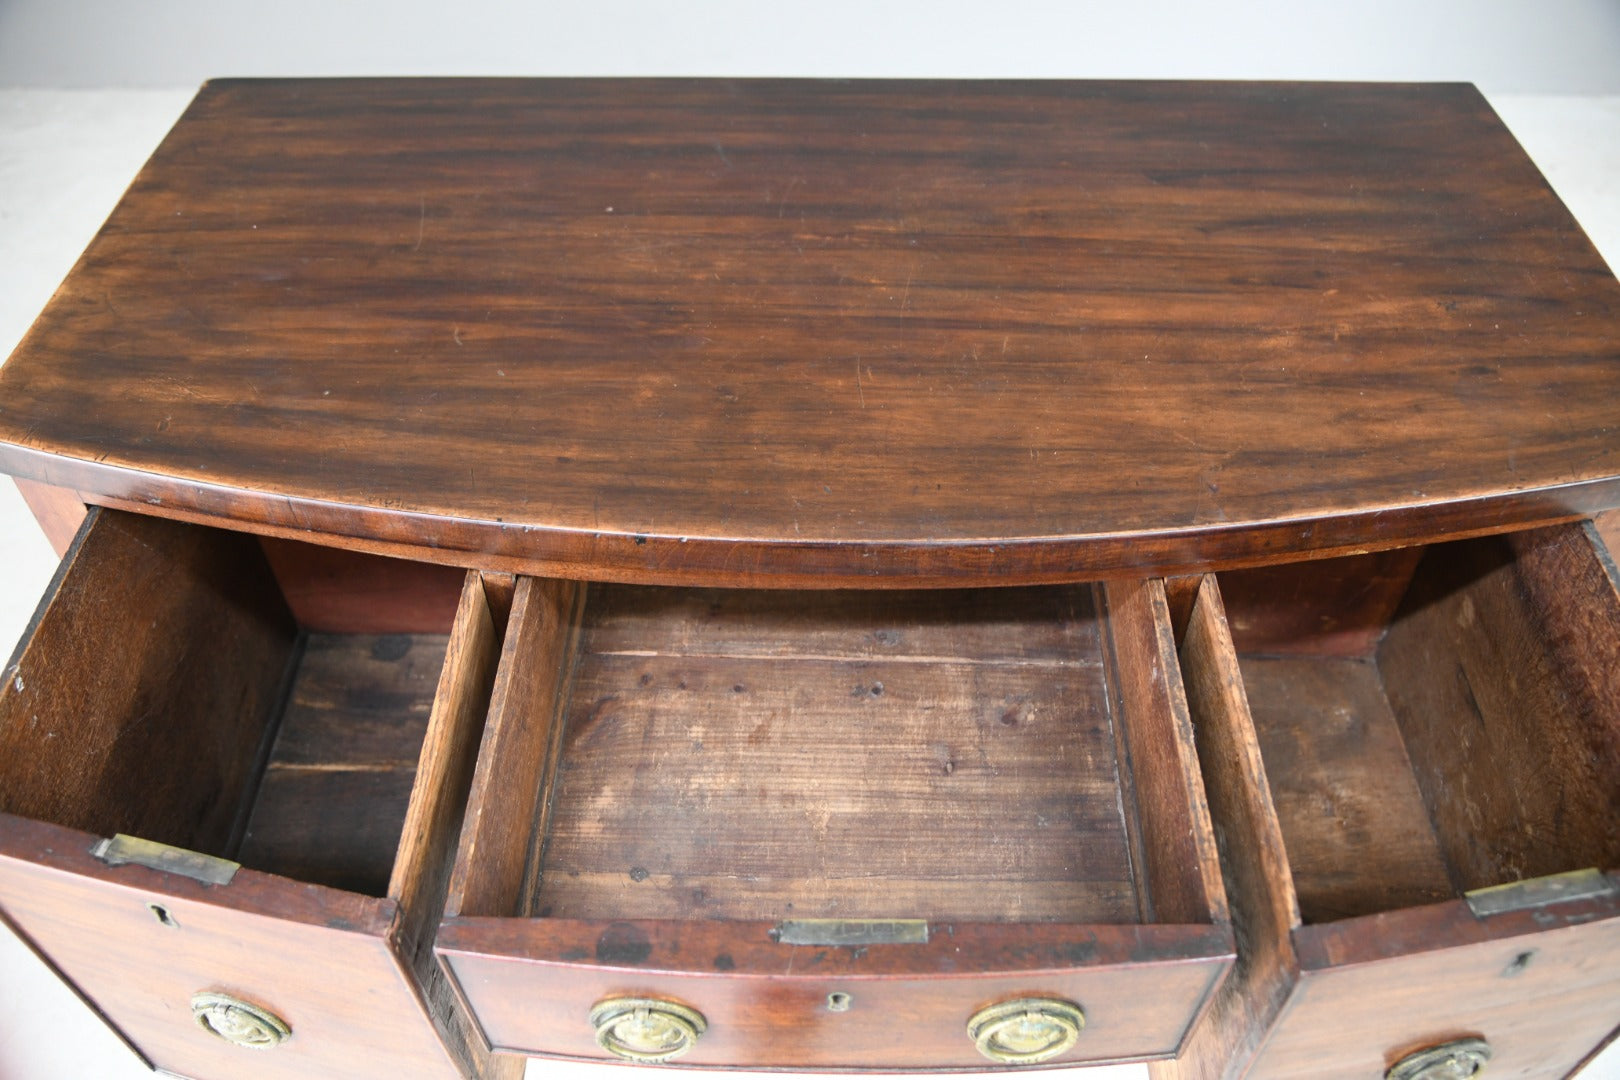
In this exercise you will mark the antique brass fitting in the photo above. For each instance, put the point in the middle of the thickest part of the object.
(238, 1022)
(1026, 1030)
(1456, 1060)
(646, 1030)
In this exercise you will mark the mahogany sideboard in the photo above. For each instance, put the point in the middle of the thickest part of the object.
(825, 575)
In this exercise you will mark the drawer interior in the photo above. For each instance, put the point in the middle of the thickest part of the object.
(1434, 721)
(331, 798)
(168, 691)
(768, 755)
(753, 755)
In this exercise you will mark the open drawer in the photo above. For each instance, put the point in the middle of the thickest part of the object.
(837, 830)
(1412, 762)
(229, 834)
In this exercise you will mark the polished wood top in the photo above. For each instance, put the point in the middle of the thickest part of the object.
(809, 333)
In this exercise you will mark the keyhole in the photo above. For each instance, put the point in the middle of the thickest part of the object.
(1519, 963)
(161, 914)
(838, 1001)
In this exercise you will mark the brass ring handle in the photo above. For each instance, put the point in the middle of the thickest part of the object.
(238, 1022)
(1456, 1060)
(646, 1030)
(1026, 1030)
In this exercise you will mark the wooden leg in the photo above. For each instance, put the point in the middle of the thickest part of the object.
(59, 511)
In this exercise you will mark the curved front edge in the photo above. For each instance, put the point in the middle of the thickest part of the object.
(532, 984)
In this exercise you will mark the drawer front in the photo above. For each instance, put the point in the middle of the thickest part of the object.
(1411, 760)
(1540, 992)
(533, 988)
(286, 797)
(716, 798)
(139, 945)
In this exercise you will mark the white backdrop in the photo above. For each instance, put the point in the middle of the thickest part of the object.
(1506, 46)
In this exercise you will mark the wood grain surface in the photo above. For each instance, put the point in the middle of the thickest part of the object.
(1258, 881)
(1470, 736)
(333, 795)
(667, 773)
(732, 755)
(532, 983)
(143, 695)
(427, 843)
(335, 591)
(1504, 671)
(1471, 744)
(59, 512)
(1175, 844)
(164, 690)
(510, 795)
(1358, 833)
(827, 332)
(321, 959)
(1541, 986)
(1322, 607)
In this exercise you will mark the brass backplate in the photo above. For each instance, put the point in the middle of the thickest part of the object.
(1460, 1059)
(240, 1023)
(648, 1031)
(1026, 1031)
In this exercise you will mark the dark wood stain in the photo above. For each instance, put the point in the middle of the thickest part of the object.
(1174, 844)
(59, 511)
(1472, 744)
(1354, 1019)
(1505, 673)
(801, 334)
(1254, 859)
(335, 790)
(165, 690)
(142, 696)
(532, 982)
(820, 332)
(1318, 607)
(668, 773)
(334, 591)
(320, 958)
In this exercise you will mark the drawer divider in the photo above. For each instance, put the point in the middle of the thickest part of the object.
(511, 787)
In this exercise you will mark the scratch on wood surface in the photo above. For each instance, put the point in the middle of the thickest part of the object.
(860, 391)
(179, 385)
(421, 223)
(781, 204)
